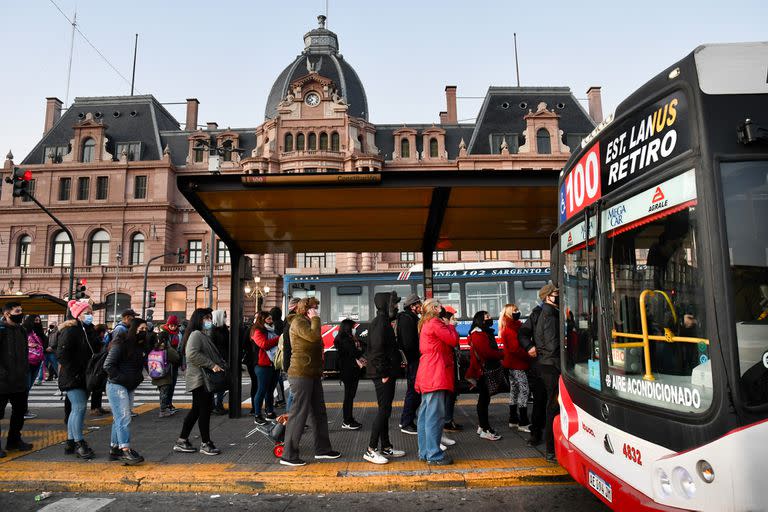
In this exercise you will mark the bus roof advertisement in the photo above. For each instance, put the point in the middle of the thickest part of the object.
(627, 151)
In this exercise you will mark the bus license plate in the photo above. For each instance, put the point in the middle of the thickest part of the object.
(601, 486)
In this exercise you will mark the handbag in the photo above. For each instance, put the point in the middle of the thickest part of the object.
(215, 382)
(495, 377)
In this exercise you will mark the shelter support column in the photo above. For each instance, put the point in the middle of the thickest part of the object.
(434, 225)
(241, 270)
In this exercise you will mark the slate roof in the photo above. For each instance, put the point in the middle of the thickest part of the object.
(139, 119)
(178, 142)
(504, 108)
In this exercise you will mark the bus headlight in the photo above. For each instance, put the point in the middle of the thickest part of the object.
(706, 471)
(665, 484)
(684, 482)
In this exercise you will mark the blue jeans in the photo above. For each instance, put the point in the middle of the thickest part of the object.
(431, 419)
(266, 376)
(78, 398)
(51, 363)
(33, 371)
(120, 401)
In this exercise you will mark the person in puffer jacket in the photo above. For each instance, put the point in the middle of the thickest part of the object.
(434, 380)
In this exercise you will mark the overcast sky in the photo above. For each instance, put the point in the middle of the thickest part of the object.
(228, 53)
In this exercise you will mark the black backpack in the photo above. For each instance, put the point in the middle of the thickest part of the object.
(525, 334)
(95, 376)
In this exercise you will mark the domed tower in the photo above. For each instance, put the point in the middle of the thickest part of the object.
(321, 55)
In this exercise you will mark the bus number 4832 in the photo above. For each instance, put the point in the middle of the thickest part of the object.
(633, 454)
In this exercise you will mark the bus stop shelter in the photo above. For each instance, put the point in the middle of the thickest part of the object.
(395, 211)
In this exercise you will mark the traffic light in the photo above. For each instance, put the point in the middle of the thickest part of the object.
(20, 180)
(149, 315)
(80, 289)
(151, 299)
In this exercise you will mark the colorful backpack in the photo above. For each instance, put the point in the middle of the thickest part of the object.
(157, 364)
(35, 352)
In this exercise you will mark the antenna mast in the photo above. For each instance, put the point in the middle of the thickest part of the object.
(517, 67)
(133, 76)
(71, 52)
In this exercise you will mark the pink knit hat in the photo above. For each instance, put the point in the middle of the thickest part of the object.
(78, 306)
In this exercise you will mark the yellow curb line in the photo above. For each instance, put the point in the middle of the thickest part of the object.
(314, 478)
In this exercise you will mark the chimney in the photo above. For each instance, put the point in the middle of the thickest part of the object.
(212, 126)
(450, 100)
(443, 117)
(595, 104)
(52, 113)
(192, 106)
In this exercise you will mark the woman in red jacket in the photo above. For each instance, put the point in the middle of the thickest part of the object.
(264, 336)
(434, 380)
(517, 361)
(484, 355)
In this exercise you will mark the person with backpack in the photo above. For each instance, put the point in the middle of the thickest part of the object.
(14, 365)
(124, 366)
(220, 338)
(263, 335)
(516, 361)
(350, 358)
(200, 353)
(33, 328)
(170, 334)
(484, 356)
(283, 356)
(74, 351)
(160, 362)
(408, 341)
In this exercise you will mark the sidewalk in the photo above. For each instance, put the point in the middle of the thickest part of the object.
(247, 464)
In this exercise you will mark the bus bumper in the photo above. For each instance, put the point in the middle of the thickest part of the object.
(623, 496)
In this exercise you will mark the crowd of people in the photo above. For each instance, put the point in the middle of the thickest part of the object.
(285, 360)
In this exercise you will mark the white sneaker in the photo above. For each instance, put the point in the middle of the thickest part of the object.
(524, 428)
(391, 453)
(443, 447)
(491, 436)
(375, 457)
(447, 441)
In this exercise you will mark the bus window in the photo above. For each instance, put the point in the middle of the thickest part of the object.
(527, 296)
(345, 303)
(449, 294)
(582, 355)
(403, 290)
(486, 296)
(655, 262)
(746, 211)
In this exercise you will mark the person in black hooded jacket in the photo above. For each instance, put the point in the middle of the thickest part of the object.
(383, 364)
(350, 359)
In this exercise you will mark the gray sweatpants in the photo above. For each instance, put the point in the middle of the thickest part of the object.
(307, 397)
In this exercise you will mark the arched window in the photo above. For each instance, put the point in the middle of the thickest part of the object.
(176, 301)
(227, 153)
(405, 148)
(300, 142)
(335, 146)
(543, 142)
(288, 142)
(137, 249)
(89, 150)
(62, 250)
(433, 148)
(312, 142)
(25, 249)
(324, 141)
(123, 303)
(100, 248)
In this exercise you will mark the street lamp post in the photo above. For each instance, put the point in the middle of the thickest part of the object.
(256, 291)
(146, 273)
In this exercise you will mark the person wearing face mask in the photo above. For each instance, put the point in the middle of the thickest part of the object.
(170, 335)
(220, 337)
(516, 361)
(484, 355)
(547, 351)
(124, 365)
(200, 352)
(408, 340)
(33, 328)
(14, 368)
(383, 365)
(73, 351)
(264, 336)
(350, 358)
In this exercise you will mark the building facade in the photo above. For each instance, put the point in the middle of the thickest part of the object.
(107, 168)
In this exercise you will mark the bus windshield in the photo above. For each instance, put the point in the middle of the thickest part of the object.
(745, 190)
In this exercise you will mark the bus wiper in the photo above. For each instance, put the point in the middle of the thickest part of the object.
(749, 133)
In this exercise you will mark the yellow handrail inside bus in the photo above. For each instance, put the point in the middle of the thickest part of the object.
(646, 338)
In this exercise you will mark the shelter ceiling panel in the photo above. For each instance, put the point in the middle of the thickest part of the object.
(339, 215)
(504, 196)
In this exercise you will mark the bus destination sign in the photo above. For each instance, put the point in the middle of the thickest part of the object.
(626, 151)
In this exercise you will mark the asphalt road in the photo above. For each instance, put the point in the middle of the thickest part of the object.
(569, 498)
